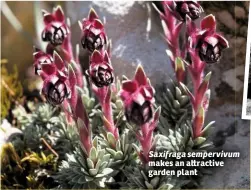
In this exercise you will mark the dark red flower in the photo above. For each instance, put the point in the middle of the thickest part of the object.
(56, 85)
(181, 9)
(208, 43)
(94, 36)
(100, 71)
(41, 58)
(138, 99)
(55, 30)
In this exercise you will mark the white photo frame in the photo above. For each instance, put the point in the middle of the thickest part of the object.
(247, 70)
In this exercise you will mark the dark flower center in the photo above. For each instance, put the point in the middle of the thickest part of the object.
(55, 35)
(56, 93)
(102, 77)
(210, 54)
(140, 115)
(92, 41)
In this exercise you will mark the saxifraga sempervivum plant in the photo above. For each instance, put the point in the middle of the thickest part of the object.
(202, 46)
(114, 156)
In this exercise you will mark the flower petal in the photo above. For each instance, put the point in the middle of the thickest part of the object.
(58, 61)
(96, 57)
(140, 76)
(59, 14)
(138, 98)
(129, 86)
(106, 58)
(222, 40)
(98, 24)
(49, 69)
(208, 22)
(92, 15)
(48, 18)
(211, 40)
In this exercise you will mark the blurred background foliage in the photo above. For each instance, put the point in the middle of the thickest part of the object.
(11, 88)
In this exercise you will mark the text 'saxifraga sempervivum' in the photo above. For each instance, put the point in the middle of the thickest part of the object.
(93, 32)
(55, 30)
(137, 95)
(100, 70)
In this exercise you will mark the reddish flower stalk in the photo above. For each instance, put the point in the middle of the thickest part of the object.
(203, 45)
(172, 28)
(138, 99)
(145, 137)
(101, 77)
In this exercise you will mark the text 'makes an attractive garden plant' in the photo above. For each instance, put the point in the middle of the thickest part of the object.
(91, 165)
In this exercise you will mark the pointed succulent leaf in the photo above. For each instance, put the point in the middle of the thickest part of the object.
(118, 155)
(111, 151)
(93, 154)
(199, 141)
(111, 139)
(90, 163)
(206, 130)
(93, 172)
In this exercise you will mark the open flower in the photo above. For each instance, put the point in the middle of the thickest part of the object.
(181, 9)
(55, 30)
(100, 71)
(56, 85)
(94, 36)
(208, 43)
(138, 99)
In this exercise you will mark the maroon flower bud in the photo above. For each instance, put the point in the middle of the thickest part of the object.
(181, 9)
(100, 71)
(41, 58)
(55, 30)
(207, 42)
(139, 114)
(93, 32)
(55, 91)
(210, 48)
